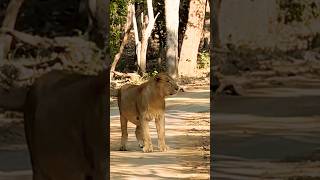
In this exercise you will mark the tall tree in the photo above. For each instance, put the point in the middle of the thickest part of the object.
(172, 26)
(147, 25)
(192, 37)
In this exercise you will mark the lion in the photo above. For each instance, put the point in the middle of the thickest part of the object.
(140, 104)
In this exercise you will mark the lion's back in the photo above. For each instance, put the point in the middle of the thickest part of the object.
(128, 96)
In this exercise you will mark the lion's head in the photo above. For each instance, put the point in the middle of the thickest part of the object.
(166, 84)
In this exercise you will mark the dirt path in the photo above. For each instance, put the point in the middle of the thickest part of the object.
(187, 135)
(271, 134)
(14, 156)
(187, 132)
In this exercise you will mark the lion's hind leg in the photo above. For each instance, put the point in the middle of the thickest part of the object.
(139, 136)
(124, 133)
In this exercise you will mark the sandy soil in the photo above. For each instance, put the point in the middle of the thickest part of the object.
(187, 132)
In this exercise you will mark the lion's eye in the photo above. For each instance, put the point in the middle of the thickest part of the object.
(168, 81)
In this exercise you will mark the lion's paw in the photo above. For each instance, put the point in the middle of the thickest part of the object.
(123, 148)
(140, 144)
(147, 148)
(164, 148)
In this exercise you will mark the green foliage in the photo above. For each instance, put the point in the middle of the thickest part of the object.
(146, 76)
(203, 60)
(154, 73)
(297, 11)
(118, 13)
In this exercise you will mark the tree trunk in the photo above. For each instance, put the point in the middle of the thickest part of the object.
(172, 26)
(146, 29)
(136, 34)
(144, 43)
(9, 23)
(192, 37)
(147, 24)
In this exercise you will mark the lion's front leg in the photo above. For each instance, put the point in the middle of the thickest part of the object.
(160, 125)
(146, 136)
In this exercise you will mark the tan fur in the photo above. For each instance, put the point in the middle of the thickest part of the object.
(140, 104)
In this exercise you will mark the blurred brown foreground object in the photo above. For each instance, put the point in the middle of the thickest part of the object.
(65, 128)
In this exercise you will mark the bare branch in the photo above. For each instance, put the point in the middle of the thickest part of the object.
(134, 21)
(9, 22)
(125, 75)
(146, 29)
(150, 10)
(150, 26)
(128, 26)
(29, 39)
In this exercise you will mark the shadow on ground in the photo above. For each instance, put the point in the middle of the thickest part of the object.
(267, 136)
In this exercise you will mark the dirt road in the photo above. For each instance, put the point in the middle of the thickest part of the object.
(270, 134)
(187, 132)
(14, 156)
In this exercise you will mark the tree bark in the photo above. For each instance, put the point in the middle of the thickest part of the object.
(172, 25)
(192, 37)
(144, 43)
(136, 35)
(147, 24)
(146, 28)
(9, 23)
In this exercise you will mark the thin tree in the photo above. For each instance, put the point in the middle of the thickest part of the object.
(172, 26)
(192, 37)
(147, 24)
